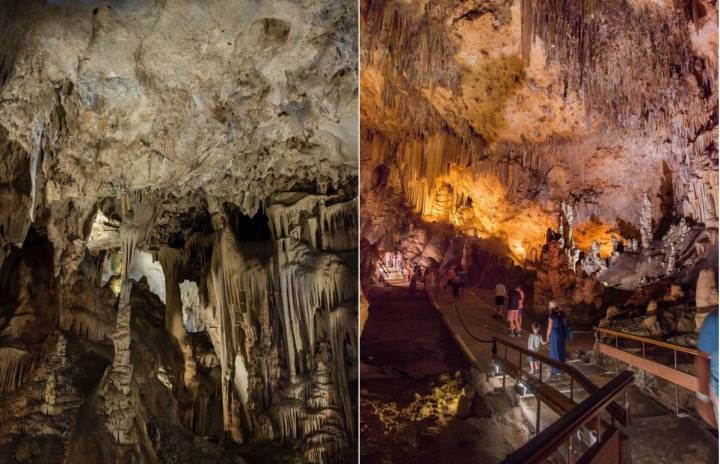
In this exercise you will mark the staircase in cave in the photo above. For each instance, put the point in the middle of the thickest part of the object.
(394, 277)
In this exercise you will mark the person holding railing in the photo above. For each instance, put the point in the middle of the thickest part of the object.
(556, 331)
(706, 370)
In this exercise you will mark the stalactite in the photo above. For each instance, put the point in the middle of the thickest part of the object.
(84, 324)
(341, 324)
(15, 367)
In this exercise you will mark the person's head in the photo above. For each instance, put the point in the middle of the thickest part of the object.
(535, 327)
(553, 306)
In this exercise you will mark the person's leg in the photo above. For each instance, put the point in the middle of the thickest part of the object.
(554, 351)
(519, 321)
(512, 319)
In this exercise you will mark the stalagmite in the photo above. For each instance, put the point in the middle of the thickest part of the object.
(646, 217)
(119, 397)
(673, 241)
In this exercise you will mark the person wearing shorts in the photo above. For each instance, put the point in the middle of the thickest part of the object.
(521, 308)
(500, 292)
(513, 313)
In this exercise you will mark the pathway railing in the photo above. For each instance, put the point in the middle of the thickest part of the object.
(678, 378)
(619, 413)
(606, 450)
(573, 416)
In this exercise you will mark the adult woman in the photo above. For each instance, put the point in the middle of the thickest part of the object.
(512, 312)
(521, 308)
(556, 334)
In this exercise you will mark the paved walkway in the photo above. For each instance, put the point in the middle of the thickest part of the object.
(656, 434)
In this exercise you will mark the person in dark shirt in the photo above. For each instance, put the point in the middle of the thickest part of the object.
(513, 311)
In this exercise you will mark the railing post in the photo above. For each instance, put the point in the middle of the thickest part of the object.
(537, 415)
(494, 347)
(541, 365)
(616, 361)
(570, 450)
(627, 407)
(677, 392)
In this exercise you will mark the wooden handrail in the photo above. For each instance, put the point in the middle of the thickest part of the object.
(649, 341)
(549, 440)
(617, 411)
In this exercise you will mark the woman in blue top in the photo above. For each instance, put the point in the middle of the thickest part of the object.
(556, 334)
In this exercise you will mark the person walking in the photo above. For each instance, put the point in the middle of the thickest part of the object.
(512, 312)
(414, 279)
(534, 342)
(452, 281)
(706, 370)
(521, 308)
(557, 327)
(500, 294)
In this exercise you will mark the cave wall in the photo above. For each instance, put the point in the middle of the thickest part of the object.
(488, 114)
(178, 230)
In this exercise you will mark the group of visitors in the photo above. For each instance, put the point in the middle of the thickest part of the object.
(558, 329)
(515, 306)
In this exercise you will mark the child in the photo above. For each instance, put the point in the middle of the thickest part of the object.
(534, 342)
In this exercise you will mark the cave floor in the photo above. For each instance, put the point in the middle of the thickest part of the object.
(412, 375)
(656, 434)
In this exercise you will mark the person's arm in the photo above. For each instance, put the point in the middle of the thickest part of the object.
(550, 326)
(702, 402)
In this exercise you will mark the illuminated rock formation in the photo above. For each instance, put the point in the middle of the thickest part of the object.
(573, 139)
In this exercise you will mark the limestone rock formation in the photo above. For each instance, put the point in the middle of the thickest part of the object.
(575, 141)
(178, 210)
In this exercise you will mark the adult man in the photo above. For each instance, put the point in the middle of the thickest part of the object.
(500, 293)
(706, 370)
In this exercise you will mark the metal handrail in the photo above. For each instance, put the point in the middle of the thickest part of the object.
(617, 411)
(676, 378)
(549, 440)
(649, 341)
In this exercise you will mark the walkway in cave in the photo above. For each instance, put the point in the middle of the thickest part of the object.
(657, 435)
(412, 375)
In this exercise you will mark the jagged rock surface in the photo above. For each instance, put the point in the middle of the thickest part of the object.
(178, 203)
